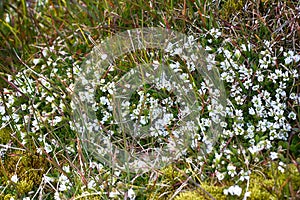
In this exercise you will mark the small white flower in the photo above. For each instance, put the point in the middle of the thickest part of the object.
(251, 111)
(2, 110)
(220, 175)
(39, 151)
(36, 61)
(297, 58)
(56, 196)
(273, 155)
(260, 78)
(56, 120)
(207, 48)
(288, 60)
(246, 48)
(281, 167)
(48, 179)
(131, 194)
(233, 190)
(247, 194)
(292, 115)
(114, 194)
(215, 33)
(91, 184)
(48, 147)
(14, 178)
(49, 99)
(103, 56)
(66, 168)
(62, 187)
(231, 170)
(237, 53)
(23, 107)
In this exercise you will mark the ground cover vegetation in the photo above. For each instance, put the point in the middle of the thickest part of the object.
(254, 45)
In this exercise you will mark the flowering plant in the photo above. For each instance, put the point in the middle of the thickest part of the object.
(47, 154)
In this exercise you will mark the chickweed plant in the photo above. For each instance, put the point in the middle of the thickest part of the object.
(76, 121)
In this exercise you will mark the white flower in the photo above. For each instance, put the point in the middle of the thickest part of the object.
(251, 111)
(49, 99)
(292, 115)
(56, 196)
(254, 149)
(273, 155)
(131, 194)
(247, 194)
(207, 48)
(220, 175)
(66, 168)
(233, 190)
(48, 179)
(48, 147)
(288, 60)
(64, 183)
(2, 110)
(231, 170)
(36, 61)
(62, 187)
(14, 178)
(215, 33)
(114, 194)
(23, 106)
(237, 53)
(227, 54)
(103, 56)
(177, 51)
(91, 184)
(281, 167)
(260, 78)
(244, 175)
(246, 48)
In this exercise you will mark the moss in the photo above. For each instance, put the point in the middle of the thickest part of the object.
(215, 191)
(274, 184)
(189, 195)
(258, 187)
(8, 197)
(29, 169)
(172, 178)
(231, 6)
(5, 136)
(167, 183)
(24, 186)
(270, 185)
(92, 197)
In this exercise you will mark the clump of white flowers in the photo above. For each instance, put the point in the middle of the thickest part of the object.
(234, 190)
(260, 112)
